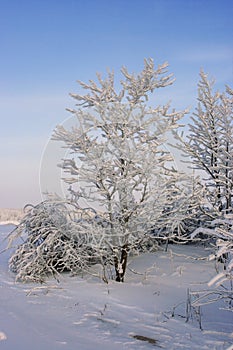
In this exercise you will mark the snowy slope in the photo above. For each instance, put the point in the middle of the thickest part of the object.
(88, 314)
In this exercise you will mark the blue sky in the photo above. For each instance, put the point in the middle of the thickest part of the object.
(47, 45)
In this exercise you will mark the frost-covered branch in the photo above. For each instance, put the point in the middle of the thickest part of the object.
(135, 88)
(138, 86)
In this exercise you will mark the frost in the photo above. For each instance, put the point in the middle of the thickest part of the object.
(216, 279)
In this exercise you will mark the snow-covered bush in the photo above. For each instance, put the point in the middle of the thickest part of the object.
(222, 235)
(181, 213)
(52, 242)
(56, 238)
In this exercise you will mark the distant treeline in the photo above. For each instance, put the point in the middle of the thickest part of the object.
(10, 215)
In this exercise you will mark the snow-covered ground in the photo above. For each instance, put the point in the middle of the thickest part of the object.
(85, 313)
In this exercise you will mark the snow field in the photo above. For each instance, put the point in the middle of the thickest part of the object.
(85, 313)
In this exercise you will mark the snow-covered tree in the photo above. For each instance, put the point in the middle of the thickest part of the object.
(209, 147)
(117, 157)
(119, 174)
(226, 149)
(209, 143)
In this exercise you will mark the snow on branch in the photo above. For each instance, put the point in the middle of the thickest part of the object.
(135, 87)
(138, 86)
(105, 92)
(222, 232)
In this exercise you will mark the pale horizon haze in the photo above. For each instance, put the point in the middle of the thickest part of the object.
(47, 45)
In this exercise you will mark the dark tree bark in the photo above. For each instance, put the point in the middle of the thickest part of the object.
(120, 266)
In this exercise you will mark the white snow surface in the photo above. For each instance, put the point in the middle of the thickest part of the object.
(86, 313)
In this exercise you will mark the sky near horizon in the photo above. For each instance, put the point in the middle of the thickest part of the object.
(47, 45)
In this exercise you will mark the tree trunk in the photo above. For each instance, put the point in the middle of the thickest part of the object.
(120, 266)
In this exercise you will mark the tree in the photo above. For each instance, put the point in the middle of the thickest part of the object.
(209, 143)
(123, 190)
(226, 149)
(117, 158)
(209, 147)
